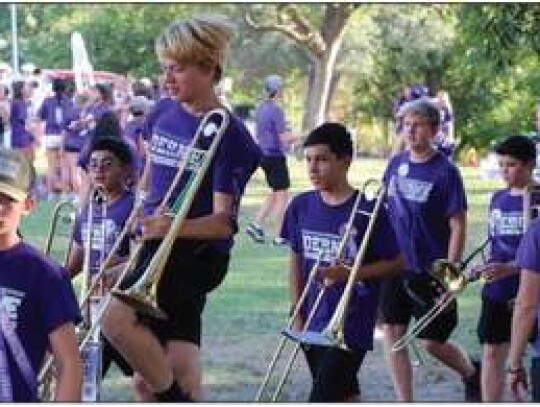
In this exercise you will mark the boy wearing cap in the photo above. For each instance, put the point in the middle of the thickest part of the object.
(316, 220)
(38, 306)
(427, 207)
(517, 158)
(271, 133)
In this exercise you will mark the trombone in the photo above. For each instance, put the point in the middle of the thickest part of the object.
(142, 295)
(63, 213)
(333, 334)
(91, 352)
(454, 278)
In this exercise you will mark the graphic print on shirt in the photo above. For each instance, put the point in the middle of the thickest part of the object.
(11, 301)
(166, 150)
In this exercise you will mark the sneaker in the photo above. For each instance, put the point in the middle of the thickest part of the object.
(472, 384)
(255, 232)
(279, 241)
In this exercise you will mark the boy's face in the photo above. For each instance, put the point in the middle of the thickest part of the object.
(186, 82)
(419, 132)
(104, 168)
(11, 211)
(514, 172)
(325, 170)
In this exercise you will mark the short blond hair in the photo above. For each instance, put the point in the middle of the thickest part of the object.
(201, 40)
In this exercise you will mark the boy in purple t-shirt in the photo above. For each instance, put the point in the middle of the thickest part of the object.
(108, 167)
(271, 133)
(526, 315)
(38, 306)
(517, 157)
(315, 221)
(166, 353)
(427, 207)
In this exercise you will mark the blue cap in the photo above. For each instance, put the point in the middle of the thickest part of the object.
(272, 83)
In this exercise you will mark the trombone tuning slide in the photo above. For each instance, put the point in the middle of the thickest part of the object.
(140, 304)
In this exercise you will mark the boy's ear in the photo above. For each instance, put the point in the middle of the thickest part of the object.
(29, 205)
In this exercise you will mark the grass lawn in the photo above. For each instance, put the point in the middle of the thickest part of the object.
(244, 316)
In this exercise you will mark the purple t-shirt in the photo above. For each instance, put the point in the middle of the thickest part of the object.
(527, 257)
(20, 137)
(421, 198)
(311, 226)
(505, 232)
(161, 106)
(55, 113)
(236, 158)
(116, 216)
(38, 298)
(270, 123)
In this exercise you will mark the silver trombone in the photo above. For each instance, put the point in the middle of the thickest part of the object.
(288, 333)
(91, 353)
(454, 278)
(63, 214)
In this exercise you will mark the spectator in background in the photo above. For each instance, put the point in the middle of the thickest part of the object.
(4, 112)
(54, 113)
(272, 133)
(444, 140)
(134, 129)
(21, 137)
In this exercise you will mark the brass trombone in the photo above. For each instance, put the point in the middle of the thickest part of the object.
(454, 278)
(333, 333)
(142, 295)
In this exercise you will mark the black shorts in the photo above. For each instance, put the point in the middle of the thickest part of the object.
(403, 298)
(334, 373)
(276, 172)
(495, 323)
(194, 268)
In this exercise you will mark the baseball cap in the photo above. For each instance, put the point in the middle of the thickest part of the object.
(272, 83)
(16, 174)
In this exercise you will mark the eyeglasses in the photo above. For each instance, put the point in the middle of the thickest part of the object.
(104, 164)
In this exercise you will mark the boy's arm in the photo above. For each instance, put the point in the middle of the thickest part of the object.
(63, 342)
(456, 243)
(75, 260)
(295, 286)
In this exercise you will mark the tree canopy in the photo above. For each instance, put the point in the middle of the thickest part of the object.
(484, 55)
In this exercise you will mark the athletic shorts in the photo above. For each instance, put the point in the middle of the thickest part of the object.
(334, 373)
(495, 323)
(402, 298)
(276, 172)
(535, 379)
(53, 141)
(194, 268)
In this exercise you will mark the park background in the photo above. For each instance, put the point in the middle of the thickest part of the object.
(343, 62)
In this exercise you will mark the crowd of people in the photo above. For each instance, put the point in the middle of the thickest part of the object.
(152, 180)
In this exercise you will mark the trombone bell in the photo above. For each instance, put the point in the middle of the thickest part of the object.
(448, 274)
